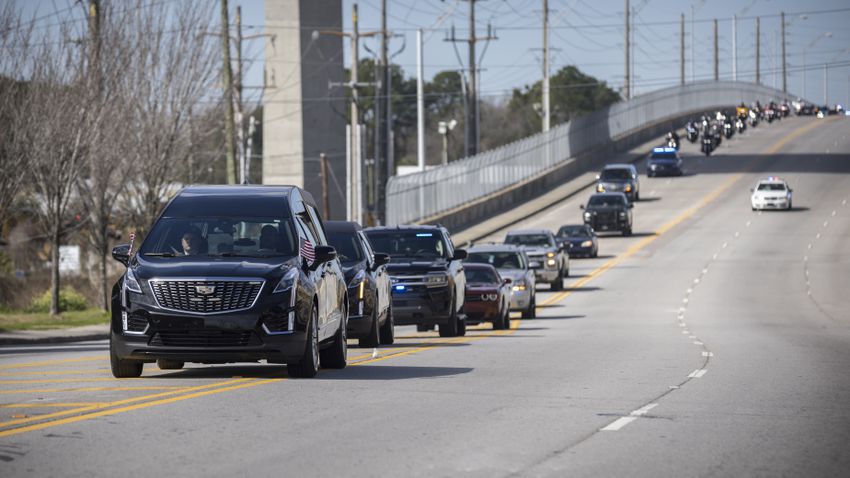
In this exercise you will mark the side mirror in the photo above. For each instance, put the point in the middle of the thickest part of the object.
(597, 177)
(122, 253)
(631, 205)
(460, 254)
(380, 259)
(507, 280)
(324, 254)
(581, 206)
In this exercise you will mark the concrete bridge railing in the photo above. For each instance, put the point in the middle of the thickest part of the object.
(469, 190)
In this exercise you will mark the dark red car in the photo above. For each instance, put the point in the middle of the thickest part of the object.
(487, 296)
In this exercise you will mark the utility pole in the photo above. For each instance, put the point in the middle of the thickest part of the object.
(472, 112)
(240, 130)
(693, 58)
(546, 105)
(382, 172)
(734, 47)
(227, 81)
(354, 157)
(825, 84)
(682, 50)
(758, 50)
(627, 84)
(784, 71)
(420, 103)
(716, 59)
(252, 125)
(326, 205)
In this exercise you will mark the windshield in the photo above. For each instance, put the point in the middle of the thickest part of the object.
(535, 240)
(347, 246)
(573, 231)
(662, 155)
(606, 200)
(618, 174)
(771, 187)
(484, 276)
(419, 244)
(499, 260)
(220, 236)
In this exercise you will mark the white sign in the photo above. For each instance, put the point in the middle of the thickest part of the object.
(69, 260)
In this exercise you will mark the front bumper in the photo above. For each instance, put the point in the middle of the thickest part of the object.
(520, 299)
(421, 305)
(269, 330)
(770, 203)
(546, 275)
(663, 170)
(610, 225)
(577, 251)
(481, 311)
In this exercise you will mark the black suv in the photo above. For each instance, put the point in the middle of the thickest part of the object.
(609, 212)
(231, 274)
(427, 276)
(370, 312)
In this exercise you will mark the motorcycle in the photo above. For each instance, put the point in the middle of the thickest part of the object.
(754, 119)
(707, 145)
(693, 132)
(672, 143)
(727, 129)
(740, 125)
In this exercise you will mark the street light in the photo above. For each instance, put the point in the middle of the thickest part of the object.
(818, 38)
(444, 128)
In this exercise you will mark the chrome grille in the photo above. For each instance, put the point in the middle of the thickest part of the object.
(223, 295)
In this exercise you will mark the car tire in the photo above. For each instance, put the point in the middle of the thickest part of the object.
(123, 368)
(461, 327)
(499, 322)
(308, 366)
(507, 317)
(374, 338)
(450, 328)
(388, 329)
(627, 231)
(789, 205)
(531, 311)
(595, 253)
(559, 282)
(167, 364)
(637, 196)
(336, 355)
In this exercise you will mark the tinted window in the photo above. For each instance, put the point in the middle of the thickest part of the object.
(603, 201)
(663, 155)
(415, 244)
(347, 246)
(485, 276)
(573, 231)
(615, 174)
(221, 236)
(499, 260)
(771, 187)
(529, 240)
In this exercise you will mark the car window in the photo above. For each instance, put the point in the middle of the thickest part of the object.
(485, 276)
(499, 260)
(215, 236)
(606, 201)
(771, 187)
(536, 240)
(663, 155)
(409, 243)
(615, 174)
(347, 246)
(573, 231)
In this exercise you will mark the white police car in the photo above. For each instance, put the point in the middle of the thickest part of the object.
(771, 193)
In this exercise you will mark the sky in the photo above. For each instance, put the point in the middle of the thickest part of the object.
(588, 34)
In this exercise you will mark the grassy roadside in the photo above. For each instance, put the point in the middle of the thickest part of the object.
(18, 320)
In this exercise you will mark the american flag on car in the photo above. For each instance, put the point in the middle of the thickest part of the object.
(307, 251)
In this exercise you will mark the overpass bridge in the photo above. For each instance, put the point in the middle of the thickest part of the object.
(473, 189)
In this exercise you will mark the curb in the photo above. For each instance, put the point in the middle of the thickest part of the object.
(55, 339)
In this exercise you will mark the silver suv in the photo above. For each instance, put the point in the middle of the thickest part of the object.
(619, 178)
(546, 256)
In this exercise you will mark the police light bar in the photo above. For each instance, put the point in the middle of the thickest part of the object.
(664, 150)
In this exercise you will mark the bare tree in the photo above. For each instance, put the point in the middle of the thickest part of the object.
(56, 122)
(14, 49)
(171, 72)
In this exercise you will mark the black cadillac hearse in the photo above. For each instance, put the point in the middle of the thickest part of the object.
(231, 274)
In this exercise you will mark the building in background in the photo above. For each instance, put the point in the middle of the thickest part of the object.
(304, 115)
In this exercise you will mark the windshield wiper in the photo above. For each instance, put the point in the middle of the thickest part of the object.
(158, 254)
(242, 254)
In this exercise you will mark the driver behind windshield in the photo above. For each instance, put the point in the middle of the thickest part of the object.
(191, 242)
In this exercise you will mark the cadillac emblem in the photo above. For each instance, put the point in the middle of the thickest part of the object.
(205, 289)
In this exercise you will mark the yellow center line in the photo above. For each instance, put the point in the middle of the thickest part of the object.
(88, 389)
(52, 362)
(55, 372)
(670, 225)
(52, 405)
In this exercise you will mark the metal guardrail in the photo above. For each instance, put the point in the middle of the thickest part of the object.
(414, 197)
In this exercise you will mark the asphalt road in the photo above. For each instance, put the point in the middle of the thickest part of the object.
(713, 342)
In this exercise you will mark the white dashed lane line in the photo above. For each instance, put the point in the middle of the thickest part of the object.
(623, 421)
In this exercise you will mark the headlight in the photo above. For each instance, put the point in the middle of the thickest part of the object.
(586, 243)
(436, 280)
(287, 282)
(652, 166)
(599, 188)
(550, 254)
(551, 262)
(587, 214)
(131, 283)
(628, 188)
(519, 285)
(359, 282)
(622, 213)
